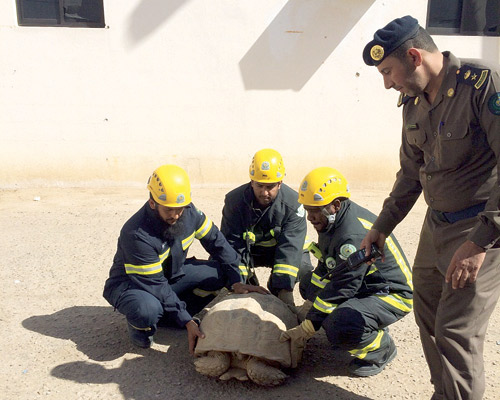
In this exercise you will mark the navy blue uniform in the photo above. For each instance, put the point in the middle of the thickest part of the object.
(271, 237)
(151, 275)
(355, 306)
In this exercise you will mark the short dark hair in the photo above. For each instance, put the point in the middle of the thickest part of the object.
(422, 41)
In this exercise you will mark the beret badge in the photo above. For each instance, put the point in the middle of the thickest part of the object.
(377, 52)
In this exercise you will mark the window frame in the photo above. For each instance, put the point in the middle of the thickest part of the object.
(59, 21)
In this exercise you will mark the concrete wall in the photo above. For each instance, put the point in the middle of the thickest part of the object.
(203, 84)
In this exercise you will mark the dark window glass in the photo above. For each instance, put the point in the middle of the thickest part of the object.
(43, 9)
(78, 13)
(464, 17)
(445, 14)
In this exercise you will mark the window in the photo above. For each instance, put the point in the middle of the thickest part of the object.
(464, 17)
(75, 13)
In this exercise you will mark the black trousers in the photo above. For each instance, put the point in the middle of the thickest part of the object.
(358, 324)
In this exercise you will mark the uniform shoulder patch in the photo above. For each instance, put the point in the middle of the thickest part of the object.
(472, 76)
(494, 103)
(403, 99)
(199, 211)
(346, 250)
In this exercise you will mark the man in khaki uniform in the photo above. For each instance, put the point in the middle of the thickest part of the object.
(450, 150)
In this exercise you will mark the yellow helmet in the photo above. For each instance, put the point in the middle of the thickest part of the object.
(267, 167)
(169, 185)
(321, 186)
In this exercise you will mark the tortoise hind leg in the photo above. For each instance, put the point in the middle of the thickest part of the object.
(264, 374)
(213, 364)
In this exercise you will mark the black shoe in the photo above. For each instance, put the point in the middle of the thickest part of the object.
(364, 368)
(139, 338)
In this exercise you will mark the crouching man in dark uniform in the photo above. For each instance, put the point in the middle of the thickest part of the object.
(353, 306)
(151, 279)
(266, 225)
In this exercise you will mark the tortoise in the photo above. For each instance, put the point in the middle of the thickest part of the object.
(242, 339)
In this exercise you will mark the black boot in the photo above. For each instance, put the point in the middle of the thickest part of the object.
(363, 368)
(139, 337)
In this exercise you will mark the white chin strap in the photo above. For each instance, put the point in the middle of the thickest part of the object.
(329, 217)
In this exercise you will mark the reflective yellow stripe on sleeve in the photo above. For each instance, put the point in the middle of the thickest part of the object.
(361, 353)
(187, 242)
(395, 252)
(148, 269)
(285, 269)
(323, 306)
(204, 228)
(316, 281)
(243, 270)
(397, 301)
(144, 269)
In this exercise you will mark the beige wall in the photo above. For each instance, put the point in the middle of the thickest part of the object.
(203, 84)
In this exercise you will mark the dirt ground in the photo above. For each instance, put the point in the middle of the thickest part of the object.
(59, 339)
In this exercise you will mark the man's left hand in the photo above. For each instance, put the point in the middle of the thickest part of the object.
(465, 264)
(242, 288)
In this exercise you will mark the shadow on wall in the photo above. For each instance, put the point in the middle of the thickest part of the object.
(298, 41)
(163, 10)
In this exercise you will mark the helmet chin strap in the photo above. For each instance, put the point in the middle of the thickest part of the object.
(329, 217)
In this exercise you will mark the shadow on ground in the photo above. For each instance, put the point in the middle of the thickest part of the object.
(101, 335)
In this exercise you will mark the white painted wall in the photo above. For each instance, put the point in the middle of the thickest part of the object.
(203, 84)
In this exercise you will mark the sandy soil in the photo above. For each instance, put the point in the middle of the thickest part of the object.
(61, 340)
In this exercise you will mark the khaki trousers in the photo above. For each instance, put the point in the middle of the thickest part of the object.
(452, 322)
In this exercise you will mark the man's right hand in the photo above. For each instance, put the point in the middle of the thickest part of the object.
(374, 236)
(193, 331)
(298, 337)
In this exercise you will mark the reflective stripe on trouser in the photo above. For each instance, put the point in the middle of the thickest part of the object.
(453, 322)
(357, 326)
(141, 309)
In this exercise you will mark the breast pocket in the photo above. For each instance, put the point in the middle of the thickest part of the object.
(455, 145)
(415, 136)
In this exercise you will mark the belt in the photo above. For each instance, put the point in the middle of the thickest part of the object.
(452, 217)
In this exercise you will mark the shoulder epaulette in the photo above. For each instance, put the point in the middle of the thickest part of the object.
(472, 76)
(403, 99)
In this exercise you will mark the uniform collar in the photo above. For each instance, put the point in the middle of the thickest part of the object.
(156, 225)
(448, 86)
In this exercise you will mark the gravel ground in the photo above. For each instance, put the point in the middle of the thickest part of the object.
(62, 340)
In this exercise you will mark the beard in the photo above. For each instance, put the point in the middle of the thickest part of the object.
(170, 231)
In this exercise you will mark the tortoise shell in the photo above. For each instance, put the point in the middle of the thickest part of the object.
(248, 324)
